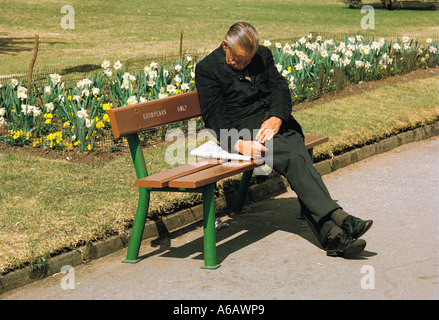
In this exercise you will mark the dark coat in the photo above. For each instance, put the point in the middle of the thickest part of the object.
(229, 101)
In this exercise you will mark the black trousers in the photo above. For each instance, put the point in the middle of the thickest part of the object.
(289, 157)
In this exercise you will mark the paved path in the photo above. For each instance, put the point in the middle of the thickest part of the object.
(267, 253)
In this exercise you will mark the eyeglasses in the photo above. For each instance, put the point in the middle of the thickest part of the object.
(237, 61)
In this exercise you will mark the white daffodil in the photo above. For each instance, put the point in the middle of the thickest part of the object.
(345, 62)
(335, 57)
(35, 111)
(25, 109)
(184, 86)
(14, 82)
(127, 76)
(359, 64)
(82, 113)
(125, 84)
(278, 67)
(171, 88)
(21, 93)
(132, 100)
(117, 65)
(55, 78)
(105, 64)
(85, 93)
(49, 107)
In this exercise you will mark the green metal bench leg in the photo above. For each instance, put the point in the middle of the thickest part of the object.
(242, 191)
(209, 228)
(139, 225)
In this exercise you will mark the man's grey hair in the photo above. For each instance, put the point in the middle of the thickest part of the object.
(244, 36)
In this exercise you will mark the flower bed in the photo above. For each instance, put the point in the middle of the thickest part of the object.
(63, 115)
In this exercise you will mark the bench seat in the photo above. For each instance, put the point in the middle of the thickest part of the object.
(198, 177)
(206, 171)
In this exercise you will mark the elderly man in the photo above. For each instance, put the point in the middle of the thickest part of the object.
(239, 88)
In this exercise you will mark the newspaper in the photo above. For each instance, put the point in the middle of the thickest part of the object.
(211, 150)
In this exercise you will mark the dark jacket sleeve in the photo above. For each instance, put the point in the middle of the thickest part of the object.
(210, 96)
(281, 105)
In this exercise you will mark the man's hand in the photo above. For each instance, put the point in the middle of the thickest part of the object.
(268, 129)
(249, 148)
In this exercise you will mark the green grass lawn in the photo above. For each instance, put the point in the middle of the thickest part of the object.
(139, 29)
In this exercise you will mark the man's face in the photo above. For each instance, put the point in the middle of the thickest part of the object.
(237, 59)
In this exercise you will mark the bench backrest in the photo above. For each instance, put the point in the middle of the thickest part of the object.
(141, 116)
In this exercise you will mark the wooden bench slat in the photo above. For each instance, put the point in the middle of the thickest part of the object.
(213, 174)
(161, 179)
(312, 141)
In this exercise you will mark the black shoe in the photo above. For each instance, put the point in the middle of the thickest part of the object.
(355, 227)
(343, 244)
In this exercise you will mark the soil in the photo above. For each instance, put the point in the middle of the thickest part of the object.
(96, 158)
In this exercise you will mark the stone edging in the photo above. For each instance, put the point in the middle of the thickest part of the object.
(186, 217)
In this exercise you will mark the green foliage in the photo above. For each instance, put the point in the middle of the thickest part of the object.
(63, 115)
(353, 3)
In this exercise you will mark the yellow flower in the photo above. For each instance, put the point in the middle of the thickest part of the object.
(106, 106)
(106, 118)
(89, 147)
(66, 124)
(100, 125)
(48, 121)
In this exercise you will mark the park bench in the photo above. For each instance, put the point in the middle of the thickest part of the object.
(198, 177)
